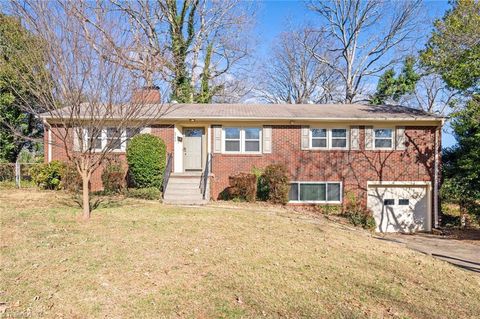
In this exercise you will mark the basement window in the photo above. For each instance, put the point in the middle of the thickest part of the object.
(315, 192)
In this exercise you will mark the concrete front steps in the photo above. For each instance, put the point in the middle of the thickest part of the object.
(184, 189)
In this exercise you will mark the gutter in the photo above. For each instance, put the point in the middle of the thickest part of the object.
(293, 119)
(436, 181)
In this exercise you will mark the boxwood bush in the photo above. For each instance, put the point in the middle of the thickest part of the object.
(146, 156)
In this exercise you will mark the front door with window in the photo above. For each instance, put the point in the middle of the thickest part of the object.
(192, 149)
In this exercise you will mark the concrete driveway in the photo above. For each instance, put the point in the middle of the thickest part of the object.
(456, 252)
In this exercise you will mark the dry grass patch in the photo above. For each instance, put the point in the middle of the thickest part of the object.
(139, 259)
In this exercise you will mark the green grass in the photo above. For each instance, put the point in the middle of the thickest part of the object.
(142, 259)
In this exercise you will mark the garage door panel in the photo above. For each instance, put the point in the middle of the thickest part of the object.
(399, 209)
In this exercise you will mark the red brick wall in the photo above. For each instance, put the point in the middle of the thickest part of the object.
(59, 152)
(353, 168)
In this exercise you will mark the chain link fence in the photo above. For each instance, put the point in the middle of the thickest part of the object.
(18, 174)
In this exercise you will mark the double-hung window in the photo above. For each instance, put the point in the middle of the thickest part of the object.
(383, 138)
(93, 138)
(131, 132)
(321, 192)
(113, 138)
(331, 138)
(242, 139)
(338, 138)
(319, 138)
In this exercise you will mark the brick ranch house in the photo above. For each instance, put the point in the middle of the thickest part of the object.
(387, 156)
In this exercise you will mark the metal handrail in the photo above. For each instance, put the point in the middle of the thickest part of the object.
(166, 174)
(205, 174)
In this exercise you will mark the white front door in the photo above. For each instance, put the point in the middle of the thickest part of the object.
(192, 148)
(399, 208)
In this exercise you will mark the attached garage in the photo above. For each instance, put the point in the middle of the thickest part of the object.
(400, 207)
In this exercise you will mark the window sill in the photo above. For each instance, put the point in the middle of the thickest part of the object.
(242, 154)
(328, 149)
(314, 202)
(109, 152)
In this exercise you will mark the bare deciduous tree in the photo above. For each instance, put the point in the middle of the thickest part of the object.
(197, 41)
(432, 95)
(294, 75)
(86, 96)
(365, 34)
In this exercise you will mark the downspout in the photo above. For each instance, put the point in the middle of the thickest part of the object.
(436, 182)
(49, 140)
(49, 144)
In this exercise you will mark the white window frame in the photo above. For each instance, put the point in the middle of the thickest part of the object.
(326, 201)
(86, 139)
(311, 138)
(392, 138)
(242, 140)
(330, 138)
(123, 139)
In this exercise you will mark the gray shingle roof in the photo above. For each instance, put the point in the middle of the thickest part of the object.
(278, 112)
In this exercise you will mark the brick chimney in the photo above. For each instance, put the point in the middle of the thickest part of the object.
(147, 95)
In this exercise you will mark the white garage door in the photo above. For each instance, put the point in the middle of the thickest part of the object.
(399, 208)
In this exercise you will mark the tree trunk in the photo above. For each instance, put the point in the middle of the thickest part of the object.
(86, 196)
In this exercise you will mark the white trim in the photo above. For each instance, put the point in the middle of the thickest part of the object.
(326, 192)
(146, 130)
(209, 139)
(242, 140)
(398, 183)
(436, 183)
(178, 149)
(329, 138)
(49, 158)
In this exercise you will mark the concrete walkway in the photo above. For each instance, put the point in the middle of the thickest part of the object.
(456, 252)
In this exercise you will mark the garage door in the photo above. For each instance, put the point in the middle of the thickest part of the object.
(399, 208)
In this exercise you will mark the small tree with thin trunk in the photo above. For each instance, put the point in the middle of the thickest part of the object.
(85, 95)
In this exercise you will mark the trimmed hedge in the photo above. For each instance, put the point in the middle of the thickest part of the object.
(146, 157)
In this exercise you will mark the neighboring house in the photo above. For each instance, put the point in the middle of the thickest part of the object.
(385, 156)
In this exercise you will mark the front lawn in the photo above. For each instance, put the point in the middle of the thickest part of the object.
(139, 259)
